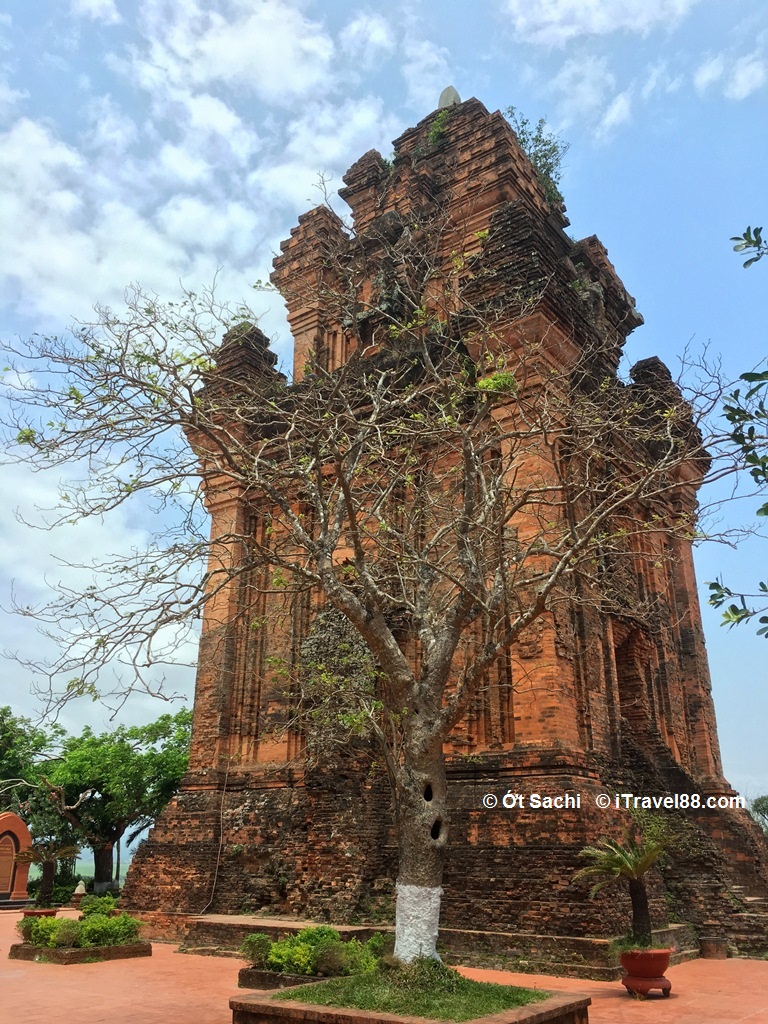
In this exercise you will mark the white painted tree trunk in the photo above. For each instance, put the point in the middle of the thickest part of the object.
(422, 822)
(416, 922)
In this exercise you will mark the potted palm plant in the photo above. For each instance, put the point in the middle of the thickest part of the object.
(630, 862)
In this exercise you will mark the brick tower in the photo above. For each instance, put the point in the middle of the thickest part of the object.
(588, 701)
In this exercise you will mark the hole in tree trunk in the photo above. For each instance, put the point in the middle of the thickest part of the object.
(427, 792)
(436, 828)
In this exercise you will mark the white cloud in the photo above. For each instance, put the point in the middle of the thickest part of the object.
(68, 241)
(180, 166)
(587, 94)
(270, 49)
(660, 80)
(737, 78)
(426, 72)
(747, 76)
(110, 131)
(557, 22)
(367, 38)
(9, 98)
(326, 138)
(217, 129)
(36, 558)
(98, 10)
(583, 86)
(618, 113)
(198, 224)
(708, 73)
(30, 553)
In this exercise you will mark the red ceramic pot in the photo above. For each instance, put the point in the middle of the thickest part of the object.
(645, 971)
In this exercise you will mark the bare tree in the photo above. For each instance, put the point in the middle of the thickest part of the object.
(452, 472)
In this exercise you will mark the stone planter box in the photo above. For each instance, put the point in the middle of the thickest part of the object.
(254, 977)
(40, 912)
(560, 1008)
(22, 951)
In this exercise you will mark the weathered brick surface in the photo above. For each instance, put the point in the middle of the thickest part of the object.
(590, 698)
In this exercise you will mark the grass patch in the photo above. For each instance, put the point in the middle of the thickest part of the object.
(425, 988)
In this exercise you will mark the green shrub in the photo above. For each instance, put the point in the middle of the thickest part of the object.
(98, 930)
(67, 934)
(379, 944)
(297, 953)
(43, 931)
(358, 958)
(318, 950)
(329, 959)
(255, 948)
(97, 905)
(24, 928)
(291, 956)
(61, 894)
(317, 935)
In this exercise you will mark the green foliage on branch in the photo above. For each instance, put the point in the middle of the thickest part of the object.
(747, 417)
(544, 149)
(93, 788)
(24, 747)
(438, 126)
(338, 683)
(502, 382)
(759, 811)
(751, 241)
(129, 775)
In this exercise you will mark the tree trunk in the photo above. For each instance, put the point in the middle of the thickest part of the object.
(641, 915)
(47, 882)
(102, 868)
(422, 822)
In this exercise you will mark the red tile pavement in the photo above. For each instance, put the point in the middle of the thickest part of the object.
(173, 988)
(703, 992)
(166, 988)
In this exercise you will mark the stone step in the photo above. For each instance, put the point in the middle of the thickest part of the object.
(684, 955)
(210, 951)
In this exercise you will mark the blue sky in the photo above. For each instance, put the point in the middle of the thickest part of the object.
(160, 141)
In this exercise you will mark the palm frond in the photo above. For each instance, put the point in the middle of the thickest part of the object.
(612, 860)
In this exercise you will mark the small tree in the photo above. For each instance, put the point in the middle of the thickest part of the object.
(46, 856)
(24, 749)
(27, 751)
(759, 811)
(544, 149)
(104, 785)
(628, 862)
